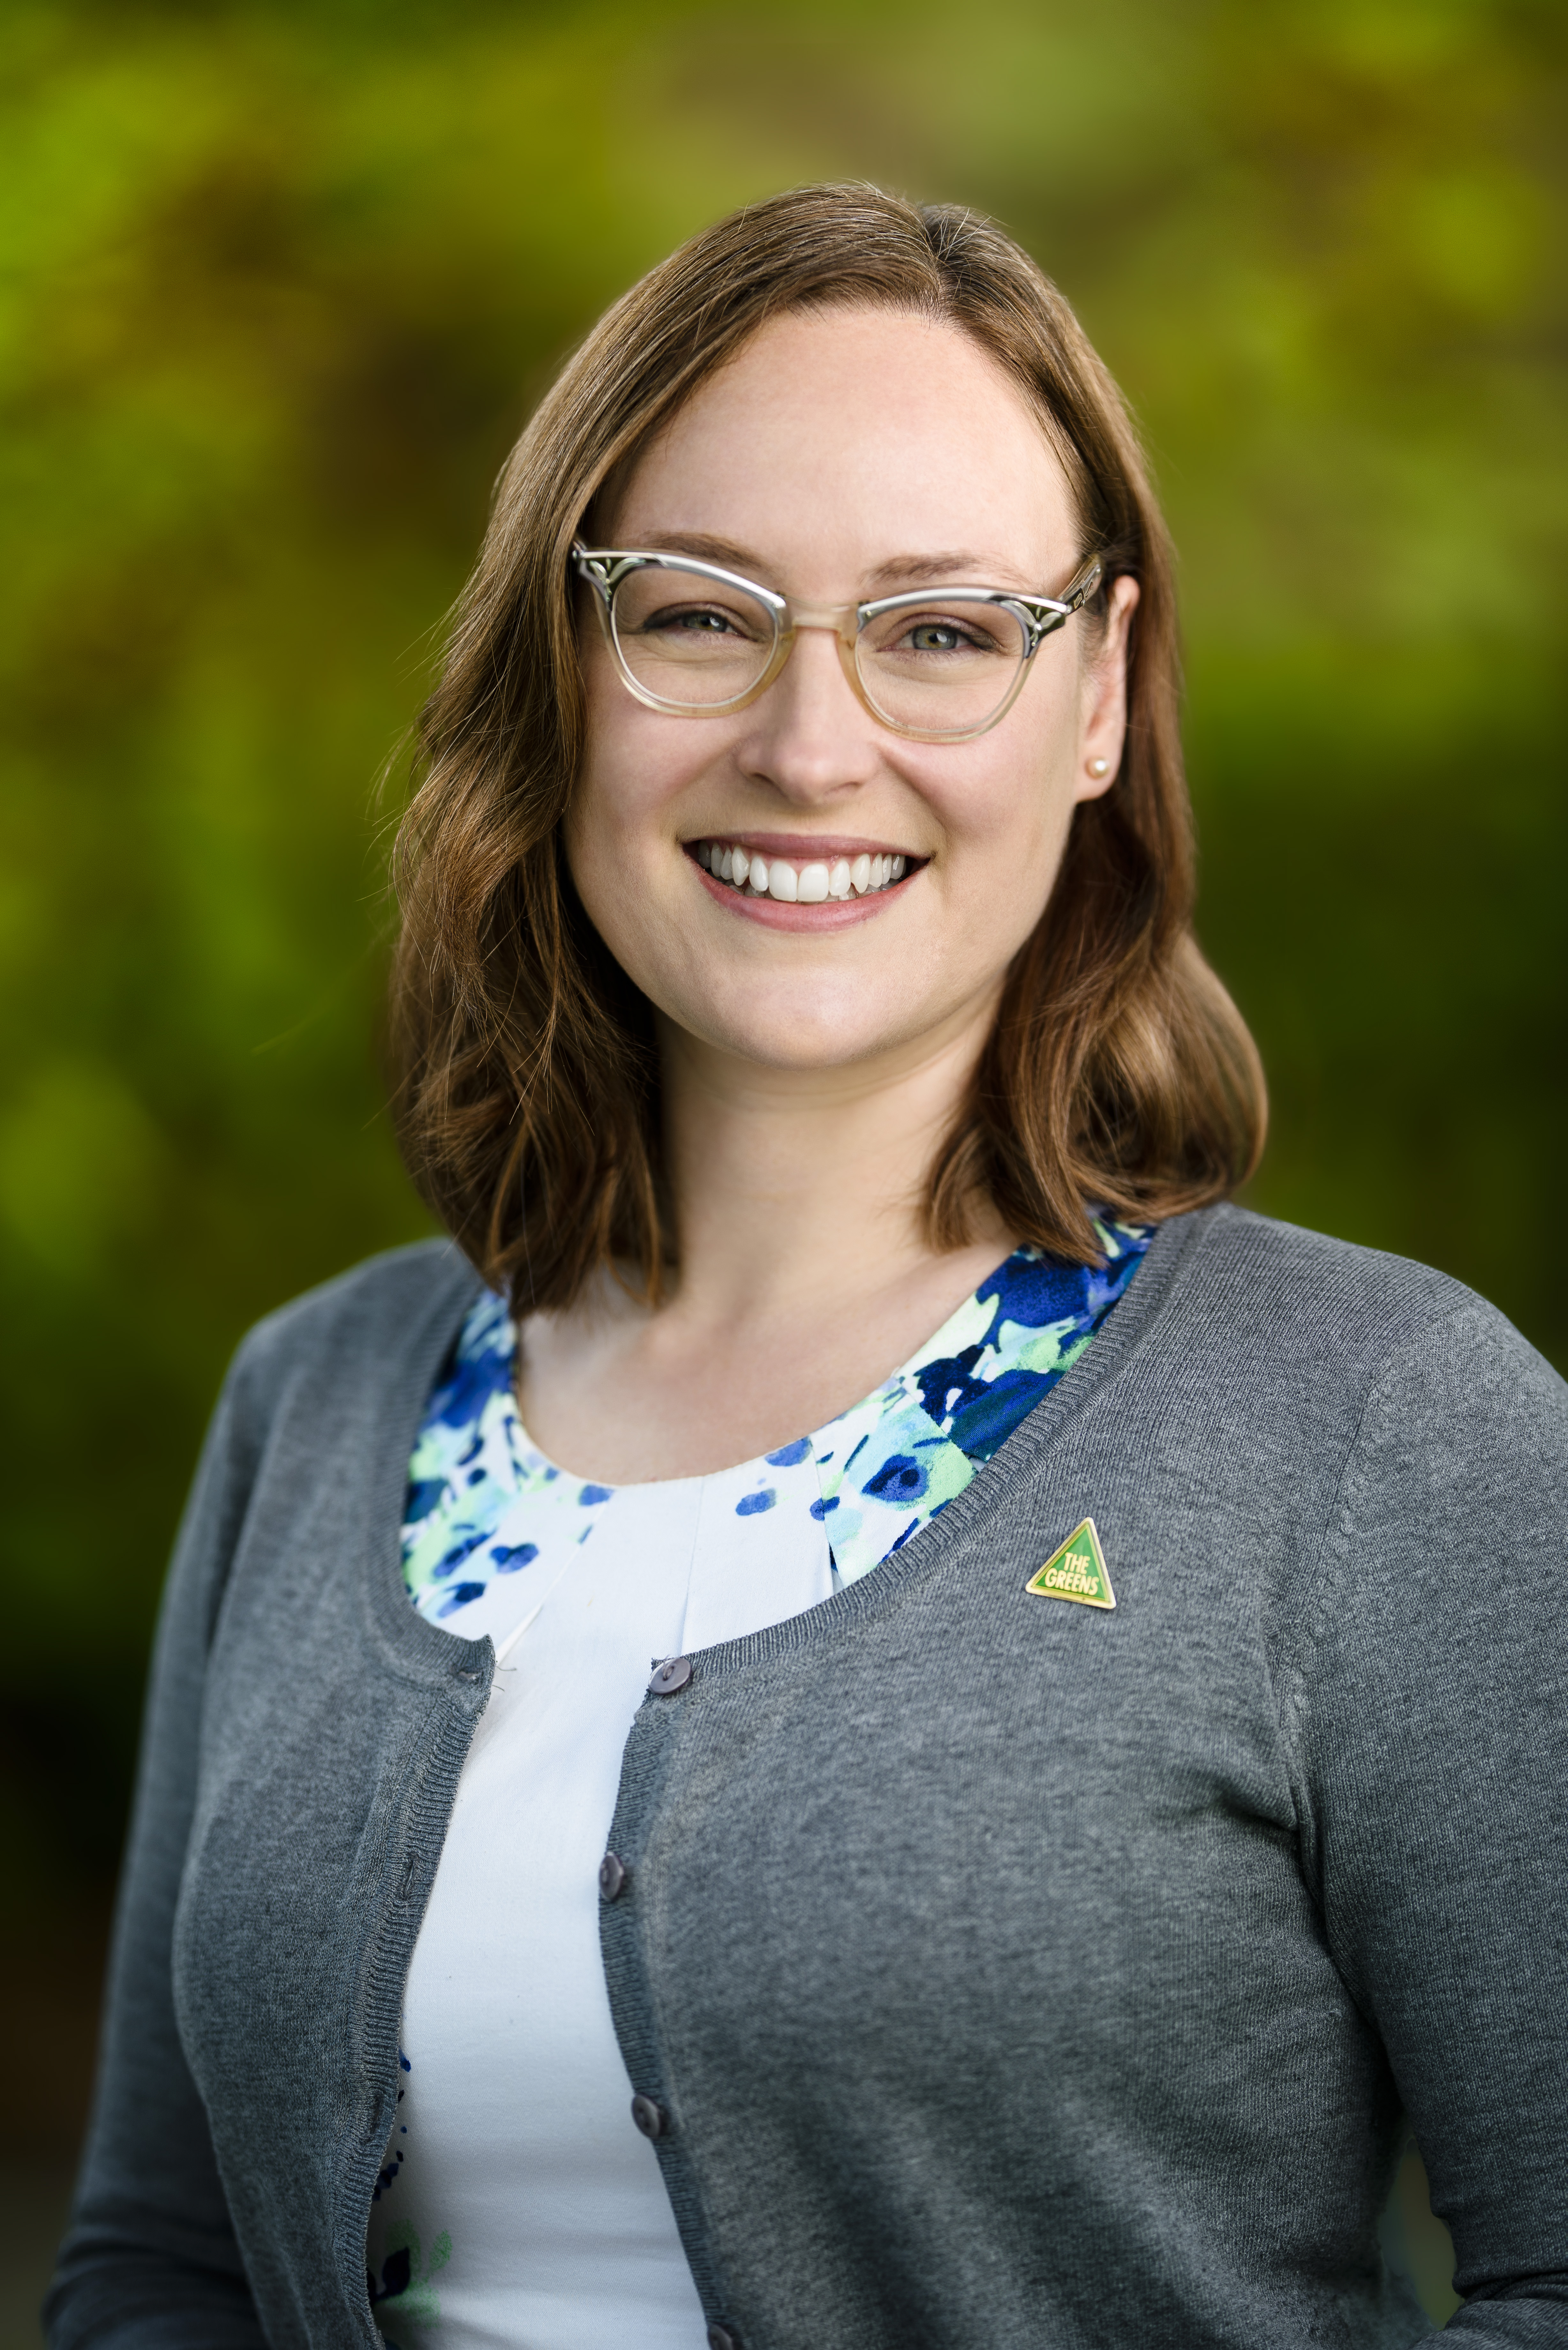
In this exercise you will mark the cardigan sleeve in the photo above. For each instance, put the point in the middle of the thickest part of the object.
(150, 2261)
(1432, 1701)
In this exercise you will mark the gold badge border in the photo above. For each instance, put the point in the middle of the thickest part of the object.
(1036, 1583)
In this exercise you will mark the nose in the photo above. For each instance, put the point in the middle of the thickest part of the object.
(809, 736)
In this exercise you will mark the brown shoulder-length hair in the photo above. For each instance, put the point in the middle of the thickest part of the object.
(526, 1079)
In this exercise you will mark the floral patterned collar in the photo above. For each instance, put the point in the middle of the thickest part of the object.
(484, 1503)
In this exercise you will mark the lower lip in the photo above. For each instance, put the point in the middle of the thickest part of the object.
(823, 914)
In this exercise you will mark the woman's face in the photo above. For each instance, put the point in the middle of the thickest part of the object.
(841, 456)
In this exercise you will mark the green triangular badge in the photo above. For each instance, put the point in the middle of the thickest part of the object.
(1076, 1570)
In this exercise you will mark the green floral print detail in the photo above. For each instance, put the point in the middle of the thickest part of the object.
(890, 1463)
(405, 2294)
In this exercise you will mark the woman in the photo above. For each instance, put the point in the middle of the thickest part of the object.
(976, 1727)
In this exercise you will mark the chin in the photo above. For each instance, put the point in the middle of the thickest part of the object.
(810, 1036)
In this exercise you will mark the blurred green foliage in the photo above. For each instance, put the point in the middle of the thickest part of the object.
(279, 282)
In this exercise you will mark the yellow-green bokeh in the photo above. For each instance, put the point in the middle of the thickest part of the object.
(277, 283)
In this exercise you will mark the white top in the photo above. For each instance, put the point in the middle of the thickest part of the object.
(514, 2134)
(519, 2209)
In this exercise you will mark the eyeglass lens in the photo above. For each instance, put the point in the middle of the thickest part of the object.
(938, 667)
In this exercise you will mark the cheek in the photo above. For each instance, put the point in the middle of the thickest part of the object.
(636, 765)
(620, 831)
(599, 841)
(617, 796)
(1007, 815)
(1008, 881)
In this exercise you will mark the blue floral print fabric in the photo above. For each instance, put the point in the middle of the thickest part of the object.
(485, 1506)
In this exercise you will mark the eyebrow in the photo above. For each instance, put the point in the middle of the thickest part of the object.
(707, 549)
(953, 567)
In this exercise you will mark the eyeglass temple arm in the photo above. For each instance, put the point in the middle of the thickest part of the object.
(1047, 614)
(1083, 584)
(598, 570)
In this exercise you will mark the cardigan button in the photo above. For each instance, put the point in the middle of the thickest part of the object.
(613, 1874)
(652, 2119)
(721, 2338)
(671, 1675)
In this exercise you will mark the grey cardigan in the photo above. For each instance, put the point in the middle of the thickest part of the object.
(1007, 1971)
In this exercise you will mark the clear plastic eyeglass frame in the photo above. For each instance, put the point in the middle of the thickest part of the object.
(606, 570)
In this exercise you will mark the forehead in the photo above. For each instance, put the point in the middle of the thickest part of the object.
(835, 440)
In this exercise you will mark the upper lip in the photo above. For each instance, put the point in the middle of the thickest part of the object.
(814, 846)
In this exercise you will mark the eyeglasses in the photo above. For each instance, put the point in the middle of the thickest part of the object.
(940, 664)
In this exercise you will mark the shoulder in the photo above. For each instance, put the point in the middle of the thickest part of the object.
(1397, 1372)
(1327, 1311)
(1309, 1282)
(370, 1323)
(1307, 1356)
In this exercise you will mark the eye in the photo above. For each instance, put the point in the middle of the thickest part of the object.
(938, 636)
(696, 622)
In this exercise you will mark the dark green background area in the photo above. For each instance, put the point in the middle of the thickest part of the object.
(278, 285)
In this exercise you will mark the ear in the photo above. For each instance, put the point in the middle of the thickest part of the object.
(1103, 713)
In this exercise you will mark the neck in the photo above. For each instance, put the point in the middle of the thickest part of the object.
(805, 1274)
(803, 1189)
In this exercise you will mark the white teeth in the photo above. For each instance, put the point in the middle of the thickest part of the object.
(844, 877)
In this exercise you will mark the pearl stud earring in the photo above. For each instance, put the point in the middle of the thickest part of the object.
(1098, 767)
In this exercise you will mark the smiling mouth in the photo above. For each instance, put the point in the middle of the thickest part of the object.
(801, 880)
